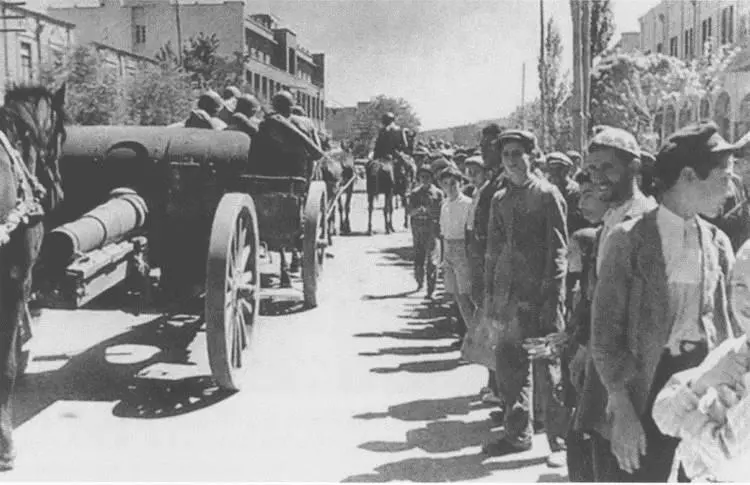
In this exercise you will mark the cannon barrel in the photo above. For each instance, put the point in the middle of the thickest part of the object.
(112, 221)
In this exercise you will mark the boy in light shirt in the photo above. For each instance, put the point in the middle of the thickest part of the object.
(454, 214)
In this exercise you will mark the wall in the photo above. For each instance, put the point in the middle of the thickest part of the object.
(53, 41)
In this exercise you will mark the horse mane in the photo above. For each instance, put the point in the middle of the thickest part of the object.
(25, 92)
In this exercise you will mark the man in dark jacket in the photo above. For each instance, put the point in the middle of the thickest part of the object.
(244, 117)
(559, 172)
(390, 139)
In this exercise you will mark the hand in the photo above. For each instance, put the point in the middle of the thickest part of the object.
(727, 371)
(628, 438)
(577, 366)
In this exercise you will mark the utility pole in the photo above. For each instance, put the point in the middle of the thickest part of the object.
(542, 79)
(586, 71)
(578, 90)
(179, 30)
(523, 96)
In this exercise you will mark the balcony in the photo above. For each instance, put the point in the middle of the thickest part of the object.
(259, 28)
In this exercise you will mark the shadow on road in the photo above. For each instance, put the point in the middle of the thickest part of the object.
(452, 469)
(418, 350)
(92, 375)
(425, 366)
(428, 409)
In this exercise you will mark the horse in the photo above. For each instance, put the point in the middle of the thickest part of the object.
(380, 180)
(344, 171)
(405, 173)
(32, 121)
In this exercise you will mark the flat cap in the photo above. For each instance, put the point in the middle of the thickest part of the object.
(475, 160)
(231, 92)
(527, 138)
(441, 164)
(611, 137)
(573, 154)
(691, 146)
(559, 158)
(451, 172)
(425, 167)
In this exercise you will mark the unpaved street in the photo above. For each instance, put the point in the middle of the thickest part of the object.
(366, 387)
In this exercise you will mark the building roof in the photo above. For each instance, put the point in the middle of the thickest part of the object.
(124, 52)
(26, 12)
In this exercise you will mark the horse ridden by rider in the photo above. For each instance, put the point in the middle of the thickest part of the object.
(390, 171)
(31, 138)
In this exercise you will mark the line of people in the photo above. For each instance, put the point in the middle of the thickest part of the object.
(593, 289)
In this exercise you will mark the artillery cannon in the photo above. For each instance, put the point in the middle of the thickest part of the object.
(201, 205)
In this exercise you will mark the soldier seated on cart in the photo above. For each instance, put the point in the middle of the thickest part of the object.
(244, 117)
(285, 144)
(206, 115)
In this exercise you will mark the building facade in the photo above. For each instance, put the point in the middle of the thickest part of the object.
(273, 57)
(29, 40)
(629, 42)
(682, 29)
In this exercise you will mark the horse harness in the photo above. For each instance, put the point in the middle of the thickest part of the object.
(30, 193)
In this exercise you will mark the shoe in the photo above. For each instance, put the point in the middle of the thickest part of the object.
(557, 459)
(6, 464)
(420, 285)
(504, 447)
(491, 398)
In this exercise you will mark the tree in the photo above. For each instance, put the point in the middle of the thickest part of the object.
(630, 89)
(94, 93)
(202, 61)
(602, 26)
(557, 91)
(367, 121)
(158, 95)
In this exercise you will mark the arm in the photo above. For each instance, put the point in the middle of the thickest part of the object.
(494, 226)
(613, 360)
(682, 412)
(553, 288)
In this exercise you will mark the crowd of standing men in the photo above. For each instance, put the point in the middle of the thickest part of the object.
(601, 294)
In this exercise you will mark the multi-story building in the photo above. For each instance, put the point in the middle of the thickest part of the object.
(274, 59)
(629, 41)
(682, 29)
(28, 40)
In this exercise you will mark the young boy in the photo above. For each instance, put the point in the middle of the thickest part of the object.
(454, 214)
(424, 211)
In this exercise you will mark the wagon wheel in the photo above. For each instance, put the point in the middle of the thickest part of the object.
(314, 242)
(232, 287)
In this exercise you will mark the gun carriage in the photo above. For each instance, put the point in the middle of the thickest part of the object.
(192, 203)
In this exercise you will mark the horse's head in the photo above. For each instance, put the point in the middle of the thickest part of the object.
(33, 119)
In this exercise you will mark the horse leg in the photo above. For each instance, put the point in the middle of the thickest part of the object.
(284, 279)
(388, 213)
(406, 212)
(370, 201)
(348, 209)
(296, 263)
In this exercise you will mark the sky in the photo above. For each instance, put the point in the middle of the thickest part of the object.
(455, 61)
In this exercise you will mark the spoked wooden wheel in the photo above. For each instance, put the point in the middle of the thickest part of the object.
(232, 288)
(314, 242)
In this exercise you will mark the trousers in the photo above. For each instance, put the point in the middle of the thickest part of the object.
(656, 465)
(426, 253)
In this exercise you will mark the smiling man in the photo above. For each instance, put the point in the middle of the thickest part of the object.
(525, 290)
(659, 305)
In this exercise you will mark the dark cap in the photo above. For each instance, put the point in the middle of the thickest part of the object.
(247, 104)
(211, 102)
(617, 138)
(559, 158)
(527, 138)
(573, 154)
(441, 164)
(475, 160)
(426, 168)
(451, 172)
(231, 92)
(388, 116)
(493, 129)
(691, 146)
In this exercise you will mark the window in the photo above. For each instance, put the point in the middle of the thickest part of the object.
(265, 87)
(659, 48)
(673, 47)
(27, 72)
(727, 25)
(706, 27)
(140, 34)
(688, 44)
(256, 84)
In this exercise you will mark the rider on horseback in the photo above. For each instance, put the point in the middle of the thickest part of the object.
(391, 139)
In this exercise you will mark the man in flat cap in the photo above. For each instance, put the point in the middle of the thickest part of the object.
(734, 216)
(576, 158)
(525, 291)
(424, 211)
(559, 171)
(659, 305)
(391, 139)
